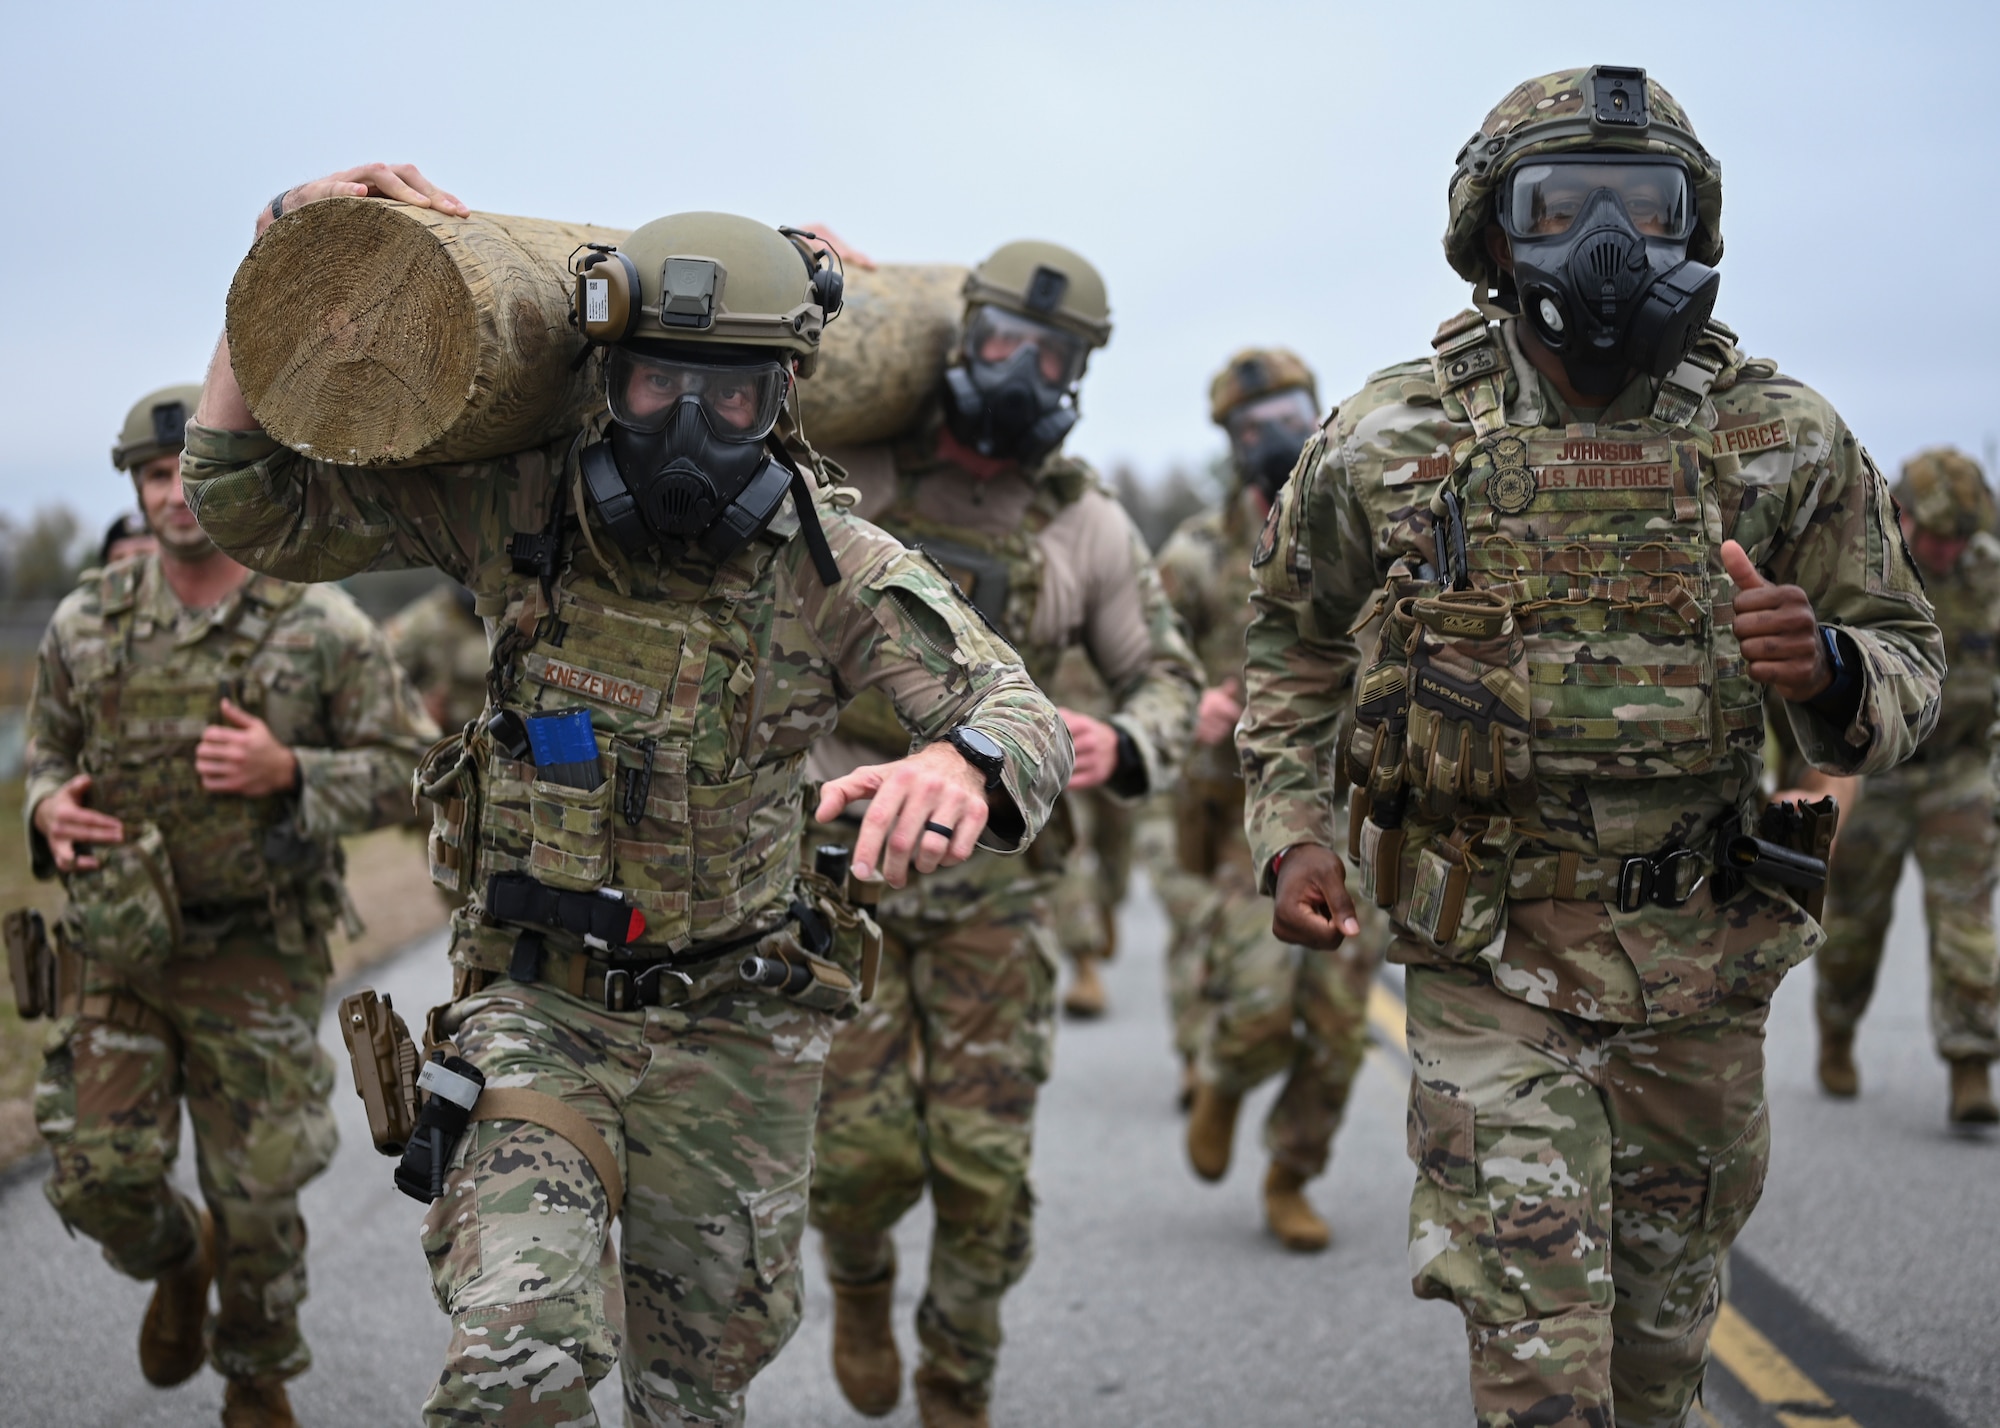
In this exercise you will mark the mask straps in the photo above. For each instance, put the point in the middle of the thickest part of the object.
(809, 527)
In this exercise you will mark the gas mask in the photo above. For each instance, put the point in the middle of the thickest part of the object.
(1600, 263)
(685, 461)
(1012, 395)
(1266, 435)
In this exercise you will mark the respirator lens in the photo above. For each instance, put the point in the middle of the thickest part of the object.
(994, 335)
(1289, 413)
(739, 403)
(1545, 195)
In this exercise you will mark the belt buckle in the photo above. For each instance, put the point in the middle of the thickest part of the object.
(1667, 873)
(1635, 883)
(640, 989)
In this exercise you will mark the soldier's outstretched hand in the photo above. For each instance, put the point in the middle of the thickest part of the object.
(1096, 745)
(935, 785)
(65, 822)
(1778, 631)
(1310, 905)
(403, 182)
(241, 755)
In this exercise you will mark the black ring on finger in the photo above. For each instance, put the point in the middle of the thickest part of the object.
(939, 829)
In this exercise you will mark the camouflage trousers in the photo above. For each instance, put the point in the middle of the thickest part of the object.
(1942, 811)
(1276, 1010)
(709, 1109)
(1192, 906)
(1096, 876)
(934, 1084)
(1578, 1184)
(237, 1040)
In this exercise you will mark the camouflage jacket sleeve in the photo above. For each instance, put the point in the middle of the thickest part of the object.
(1314, 572)
(1841, 544)
(894, 623)
(301, 519)
(360, 778)
(1135, 641)
(54, 733)
(1186, 566)
(418, 642)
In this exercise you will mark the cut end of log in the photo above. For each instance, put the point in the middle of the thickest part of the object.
(353, 333)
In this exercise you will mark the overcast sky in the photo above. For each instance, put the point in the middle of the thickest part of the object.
(1242, 174)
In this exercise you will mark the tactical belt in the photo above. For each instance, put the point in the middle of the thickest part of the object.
(222, 911)
(619, 983)
(1667, 878)
(629, 985)
(122, 1010)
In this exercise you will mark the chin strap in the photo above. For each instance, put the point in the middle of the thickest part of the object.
(810, 529)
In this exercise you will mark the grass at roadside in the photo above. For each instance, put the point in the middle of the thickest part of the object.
(385, 875)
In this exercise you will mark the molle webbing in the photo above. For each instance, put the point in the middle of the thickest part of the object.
(145, 721)
(695, 841)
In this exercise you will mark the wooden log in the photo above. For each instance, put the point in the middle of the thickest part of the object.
(374, 334)
(884, 355)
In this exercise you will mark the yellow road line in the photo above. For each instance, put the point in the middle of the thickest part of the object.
(1385, 1014)
(1772, 1379)
(1752, 1360)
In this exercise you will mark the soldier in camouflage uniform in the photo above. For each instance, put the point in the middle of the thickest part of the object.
(441, 643)
(1940, 805)
(935, 1083)
(201, 739)
(1560, 562)
(1095, 879)
(646, 571)
(1267, 1009)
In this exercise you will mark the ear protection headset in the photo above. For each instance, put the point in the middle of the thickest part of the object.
(829, 276)
(606, 304)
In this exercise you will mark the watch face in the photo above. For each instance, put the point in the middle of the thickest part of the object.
(975, 742)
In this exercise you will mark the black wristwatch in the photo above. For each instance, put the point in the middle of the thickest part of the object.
(980, 751)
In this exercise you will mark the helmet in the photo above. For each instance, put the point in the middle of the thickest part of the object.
(713, 279)
(1033, 312)
(1045, 282)
(156, 426)
(1257, 372)
(705, 314)
(1265, 398)
(1570, 110)
(1945, 493)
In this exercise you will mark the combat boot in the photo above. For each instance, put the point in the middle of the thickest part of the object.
(172, 1339)
(1211, 1131)
(257, 1403)
(1290, 1215)
(1085, 998)
(946, 1403)
(1837, 1074)
(865, 1361)
(1972, 1093)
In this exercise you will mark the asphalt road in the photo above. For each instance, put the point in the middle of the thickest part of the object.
(1874, 1261)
